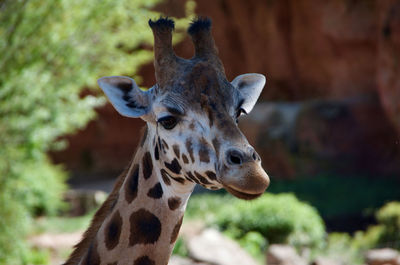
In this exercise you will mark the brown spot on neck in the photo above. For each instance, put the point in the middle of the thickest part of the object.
(175, 232)
(156, 192)
(211, 175)
(174, 203)
(144, 260)
(192, 177)
(178, 179)
(147, 165)
(174, 166)
(112, 231)
(131, 187)
(165, 176)
(202, 179)
(145, 227)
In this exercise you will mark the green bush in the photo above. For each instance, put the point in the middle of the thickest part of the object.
(389, 219)
(254, 224)
(342, 248)
(50, 51)
(386, 233)
(279, 218)
(350, 250)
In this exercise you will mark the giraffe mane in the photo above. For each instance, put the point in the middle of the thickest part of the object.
(101, 214)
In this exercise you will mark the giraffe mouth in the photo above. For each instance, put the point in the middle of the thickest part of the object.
(241, 194)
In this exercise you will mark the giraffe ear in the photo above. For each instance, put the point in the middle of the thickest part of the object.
(250, 87)
(126, 97)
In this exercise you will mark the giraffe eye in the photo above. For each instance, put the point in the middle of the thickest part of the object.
(168, 122)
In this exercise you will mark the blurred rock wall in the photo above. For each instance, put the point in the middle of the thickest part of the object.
(333, 86)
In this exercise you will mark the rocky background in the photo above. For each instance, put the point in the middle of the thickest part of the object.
(332, 99)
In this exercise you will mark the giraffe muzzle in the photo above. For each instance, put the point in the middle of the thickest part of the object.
(243, 175)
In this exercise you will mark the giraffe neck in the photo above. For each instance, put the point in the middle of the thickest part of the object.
(143, 217)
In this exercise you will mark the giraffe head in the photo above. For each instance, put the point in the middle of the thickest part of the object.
(192, 113)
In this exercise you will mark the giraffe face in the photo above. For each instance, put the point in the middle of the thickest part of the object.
(183, 141)
(191, 114)
(193, 125)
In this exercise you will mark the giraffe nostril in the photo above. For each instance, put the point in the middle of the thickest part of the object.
(234, 157)
(255, 156)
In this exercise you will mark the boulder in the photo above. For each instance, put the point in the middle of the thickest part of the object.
(326, 261)
(283, 255)
(212, 247)
(384, 256)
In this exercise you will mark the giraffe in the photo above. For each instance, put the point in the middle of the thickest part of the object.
(191, 137)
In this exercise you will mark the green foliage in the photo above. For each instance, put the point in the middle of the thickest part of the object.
(386, 233)
(37, 257)
(342, 248)
(319, 191)
(180, 248)
(368, 239)
(206, 206)
(255, 224)
(279, 218)
(50, 51)
(389, 218)
(350, 250)
(253, 242)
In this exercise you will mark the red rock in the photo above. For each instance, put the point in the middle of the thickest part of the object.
(388, 64)
(336, 136)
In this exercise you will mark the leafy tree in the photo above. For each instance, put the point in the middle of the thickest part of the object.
(49, 51)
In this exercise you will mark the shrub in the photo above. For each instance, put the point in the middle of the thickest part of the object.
(342, 248)
(350, 250)
(389, 219)
(269, 219)
(279, 218)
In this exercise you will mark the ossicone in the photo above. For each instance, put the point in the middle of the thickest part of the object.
(164, 56)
